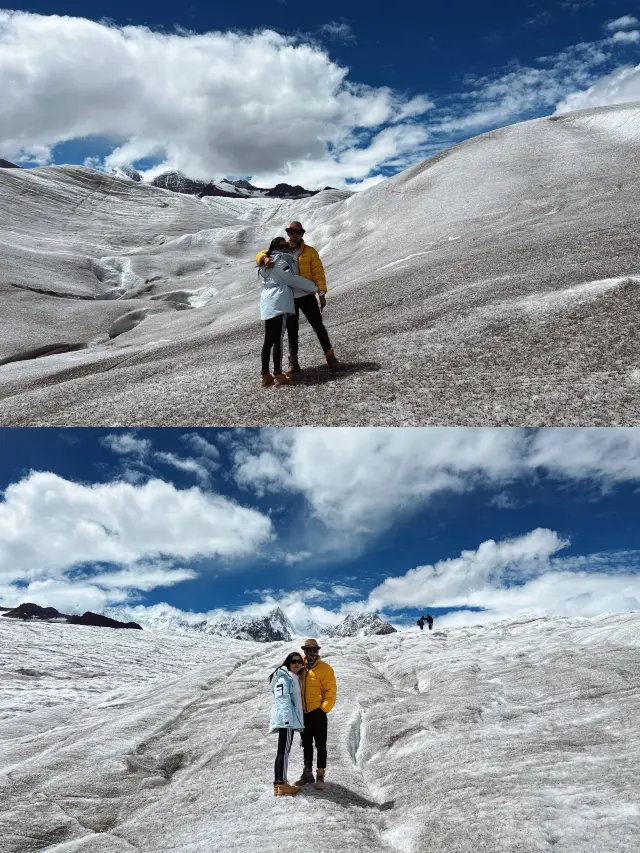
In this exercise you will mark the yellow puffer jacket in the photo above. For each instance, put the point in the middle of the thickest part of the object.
(310, 266)
(318, 687)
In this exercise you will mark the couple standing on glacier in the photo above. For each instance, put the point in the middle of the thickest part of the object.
(304, 691)
(291, 275)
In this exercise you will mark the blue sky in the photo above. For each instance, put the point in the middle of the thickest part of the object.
(323, 522)
(311, 93)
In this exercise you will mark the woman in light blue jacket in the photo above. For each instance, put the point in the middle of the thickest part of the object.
(280, 284)
(286, 718)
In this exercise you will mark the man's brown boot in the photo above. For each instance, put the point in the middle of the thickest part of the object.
(307, 776)
(320, 779)
(332, 361)
(294, 365)
(284, 789)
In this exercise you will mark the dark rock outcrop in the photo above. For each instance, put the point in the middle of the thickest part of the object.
(100, 621)
(287, 191)
(212, 189)
(28, 611)
(5, 164)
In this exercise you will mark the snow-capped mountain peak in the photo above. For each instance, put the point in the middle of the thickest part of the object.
(275, 626)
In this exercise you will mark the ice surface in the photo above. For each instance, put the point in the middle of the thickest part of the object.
(518, 736)
(494, 284)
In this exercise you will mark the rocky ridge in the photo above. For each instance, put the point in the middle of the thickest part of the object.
(29, 611)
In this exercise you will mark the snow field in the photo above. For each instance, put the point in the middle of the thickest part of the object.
(518, 736)
(494, 284)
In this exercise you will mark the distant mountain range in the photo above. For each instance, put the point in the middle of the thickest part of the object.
(179, 183)
(273, 627)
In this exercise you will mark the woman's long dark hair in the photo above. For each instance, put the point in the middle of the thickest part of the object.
(273, 245)
(287, 660)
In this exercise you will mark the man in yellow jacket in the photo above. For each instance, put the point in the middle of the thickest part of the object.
(318, 688)
(311, 268)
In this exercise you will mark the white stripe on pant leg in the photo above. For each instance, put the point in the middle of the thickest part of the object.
(286, 752)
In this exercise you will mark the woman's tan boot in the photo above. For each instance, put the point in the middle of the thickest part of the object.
(284, 789)
(267, 379)
(320, 779)
(282, 379)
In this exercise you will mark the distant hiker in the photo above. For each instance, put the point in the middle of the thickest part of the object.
(286, 718)
(310, 268)
(280, 284)
(430, 621)
(318, 698)
(420, 622)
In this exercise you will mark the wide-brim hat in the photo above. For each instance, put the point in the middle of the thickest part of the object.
(310, 644)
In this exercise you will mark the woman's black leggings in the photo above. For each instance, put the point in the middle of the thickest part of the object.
(274, 330)
(285, 739)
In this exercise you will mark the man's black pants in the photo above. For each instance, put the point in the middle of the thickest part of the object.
(309, 306)
(315, 729)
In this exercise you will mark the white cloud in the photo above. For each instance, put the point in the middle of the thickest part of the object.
(297, 557)
(503, 500)
(140, 450)
(605, 455)
(338, 30)
(621, 86)
(631, 37)
(142, 578)
(126, 444)
(211, 104)
(460, 581)
(367, 477)
(512, 578)
(188, 465)
(344, 591)
(200, 446)
(623, 23)
(48, 525)
(66, 596)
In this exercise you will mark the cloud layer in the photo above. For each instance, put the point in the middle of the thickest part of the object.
(220, 103)
(357, 481)
(266, 105)
(51, 529)
(75, 545)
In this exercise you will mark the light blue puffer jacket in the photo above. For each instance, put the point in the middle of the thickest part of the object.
(280, 285)
(287, 708)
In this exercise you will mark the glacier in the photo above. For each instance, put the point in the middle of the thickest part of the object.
(514, 737)
(494, 284)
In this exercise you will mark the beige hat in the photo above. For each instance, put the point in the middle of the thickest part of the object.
(310, 644)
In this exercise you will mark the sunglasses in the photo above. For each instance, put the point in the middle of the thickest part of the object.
(310, 650)
(294, 230)
(297, 660)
